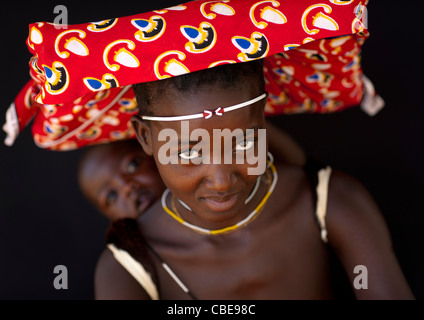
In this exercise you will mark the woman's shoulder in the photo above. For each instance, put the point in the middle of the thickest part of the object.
(348, 198)
(359, 234)
(350, 209)
(113, 282)
(353, 218)
(126, 249)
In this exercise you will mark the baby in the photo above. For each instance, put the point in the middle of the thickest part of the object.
(119, 179)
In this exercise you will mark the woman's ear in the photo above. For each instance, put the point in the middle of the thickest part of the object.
(143, 134)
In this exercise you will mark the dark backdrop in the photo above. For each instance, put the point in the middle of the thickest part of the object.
(45, 221)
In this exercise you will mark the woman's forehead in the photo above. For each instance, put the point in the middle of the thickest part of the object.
(206, 97)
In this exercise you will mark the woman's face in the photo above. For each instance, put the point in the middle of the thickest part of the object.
(216, 192)
(120, 179)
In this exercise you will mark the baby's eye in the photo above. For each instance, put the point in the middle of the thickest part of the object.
(133, 165)
(189, 154)
(245, 145)
(111, 198)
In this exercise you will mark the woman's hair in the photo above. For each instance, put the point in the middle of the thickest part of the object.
(228, 75)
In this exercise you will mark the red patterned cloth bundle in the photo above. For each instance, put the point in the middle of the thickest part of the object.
(80, 92)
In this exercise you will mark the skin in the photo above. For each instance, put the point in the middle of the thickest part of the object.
(120, 179)
(204, 187)
(108, 172)
(277, 256)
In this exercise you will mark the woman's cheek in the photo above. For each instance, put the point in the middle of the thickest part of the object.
(177, 177)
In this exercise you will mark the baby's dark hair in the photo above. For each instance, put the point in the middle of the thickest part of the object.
(228, 75)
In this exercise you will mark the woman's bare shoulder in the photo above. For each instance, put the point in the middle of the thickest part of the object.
(353, 215)
(113, 282)
(351, 207)
(360, 236)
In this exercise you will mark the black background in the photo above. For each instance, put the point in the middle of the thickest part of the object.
(45, 221)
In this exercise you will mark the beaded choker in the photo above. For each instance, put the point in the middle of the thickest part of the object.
(174, 214)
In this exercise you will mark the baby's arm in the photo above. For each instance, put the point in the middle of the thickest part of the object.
(113, 282)
(359, 234)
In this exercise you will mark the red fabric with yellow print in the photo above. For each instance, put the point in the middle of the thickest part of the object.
(80, 92)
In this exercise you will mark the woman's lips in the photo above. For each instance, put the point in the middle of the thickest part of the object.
(221, 204)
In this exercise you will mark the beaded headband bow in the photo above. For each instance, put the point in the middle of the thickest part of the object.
(207, 114)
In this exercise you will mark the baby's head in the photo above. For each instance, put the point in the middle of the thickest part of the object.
(119, 179)
(207, 188)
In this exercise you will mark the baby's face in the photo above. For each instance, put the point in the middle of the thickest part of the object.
(120, 179)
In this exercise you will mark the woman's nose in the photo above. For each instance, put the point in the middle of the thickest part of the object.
(220, 177)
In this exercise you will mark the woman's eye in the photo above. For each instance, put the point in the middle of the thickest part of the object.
(133, 165)
(245, 145)
(189, 154)
(111, 197)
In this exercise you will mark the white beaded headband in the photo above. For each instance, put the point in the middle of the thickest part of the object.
(207, 114)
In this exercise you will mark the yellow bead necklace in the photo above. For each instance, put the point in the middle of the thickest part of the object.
(175, 214)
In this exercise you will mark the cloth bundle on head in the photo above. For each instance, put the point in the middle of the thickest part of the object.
(80, 92)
